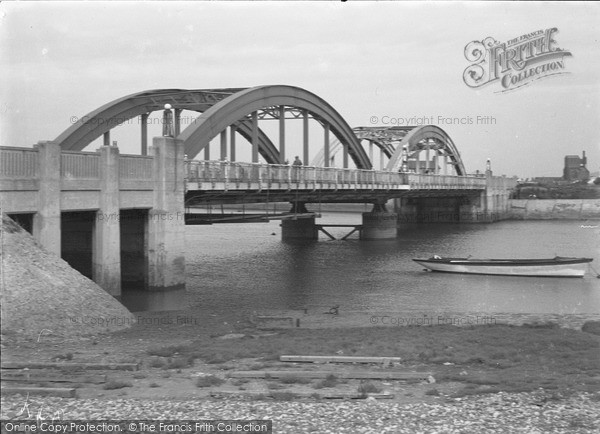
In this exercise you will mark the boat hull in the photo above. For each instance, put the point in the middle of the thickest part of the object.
(532, 269)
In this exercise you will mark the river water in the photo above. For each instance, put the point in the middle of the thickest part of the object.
(247, 266)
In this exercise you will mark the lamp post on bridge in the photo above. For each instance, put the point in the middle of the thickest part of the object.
(168, 122)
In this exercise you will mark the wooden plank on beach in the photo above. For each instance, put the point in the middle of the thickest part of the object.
(371, 375)
(60, 392)
(58, 365)
(340, 359)
(354, 395)
(333, 395)
(37, 377)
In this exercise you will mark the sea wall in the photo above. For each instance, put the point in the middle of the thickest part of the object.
(554, 209)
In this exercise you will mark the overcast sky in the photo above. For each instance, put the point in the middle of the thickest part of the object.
(388, 60)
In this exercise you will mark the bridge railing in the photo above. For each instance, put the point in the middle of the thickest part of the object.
(417, 181)
(136, 167)
(18, 163)
(225, 171)
(80, 165)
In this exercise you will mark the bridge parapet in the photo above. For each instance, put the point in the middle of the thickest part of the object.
(18, 163)
(135, 167)
(20, 169)
(419, 181)
(79, 165)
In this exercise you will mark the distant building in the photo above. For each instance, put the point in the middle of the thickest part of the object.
(575, 169)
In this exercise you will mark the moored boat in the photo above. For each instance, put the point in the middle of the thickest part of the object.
(553, 267)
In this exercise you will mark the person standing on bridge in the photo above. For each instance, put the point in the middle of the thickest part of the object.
(296, 168)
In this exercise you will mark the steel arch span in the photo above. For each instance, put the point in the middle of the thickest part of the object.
(93, 125)
(415, 140)
(383, 138)
(398, 143)
(220, 109)
(241, 104)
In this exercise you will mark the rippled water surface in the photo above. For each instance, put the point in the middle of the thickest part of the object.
(234, 266)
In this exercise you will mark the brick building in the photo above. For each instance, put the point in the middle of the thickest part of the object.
(575, 168)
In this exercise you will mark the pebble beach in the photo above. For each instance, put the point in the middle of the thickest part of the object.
(536, 412)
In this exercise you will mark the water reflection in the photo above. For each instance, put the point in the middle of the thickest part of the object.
(137, 300)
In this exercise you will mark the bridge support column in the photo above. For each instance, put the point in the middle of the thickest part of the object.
(302, 228)
(379, 224)
(106, 246)
(166, 223)
(46, 222)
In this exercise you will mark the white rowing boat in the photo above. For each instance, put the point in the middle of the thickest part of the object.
(554, 267)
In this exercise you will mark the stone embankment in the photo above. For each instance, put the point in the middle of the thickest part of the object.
(554, 209)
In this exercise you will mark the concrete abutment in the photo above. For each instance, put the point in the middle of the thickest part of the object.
(118, 248)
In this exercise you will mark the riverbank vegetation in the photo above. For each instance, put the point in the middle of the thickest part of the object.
(486, 358)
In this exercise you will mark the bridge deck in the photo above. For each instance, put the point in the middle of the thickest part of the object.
(80, 180)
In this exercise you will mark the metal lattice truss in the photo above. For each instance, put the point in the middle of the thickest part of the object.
(401, 144)
(274, 113)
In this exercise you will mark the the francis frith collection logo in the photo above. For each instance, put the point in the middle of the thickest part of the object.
(515, 63)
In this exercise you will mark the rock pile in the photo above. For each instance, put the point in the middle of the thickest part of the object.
(42, 294)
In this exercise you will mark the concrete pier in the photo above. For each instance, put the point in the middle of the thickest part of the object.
(379, 224)
(46, 222)
(299, 228)
(106, 257)
(166, 222)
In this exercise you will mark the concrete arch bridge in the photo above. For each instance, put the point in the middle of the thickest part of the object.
(127, 213)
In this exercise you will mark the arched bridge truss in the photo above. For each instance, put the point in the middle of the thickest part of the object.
(419, 149)
(241, 109)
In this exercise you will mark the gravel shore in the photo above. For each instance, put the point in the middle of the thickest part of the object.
(42, 295)
(537, 412)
